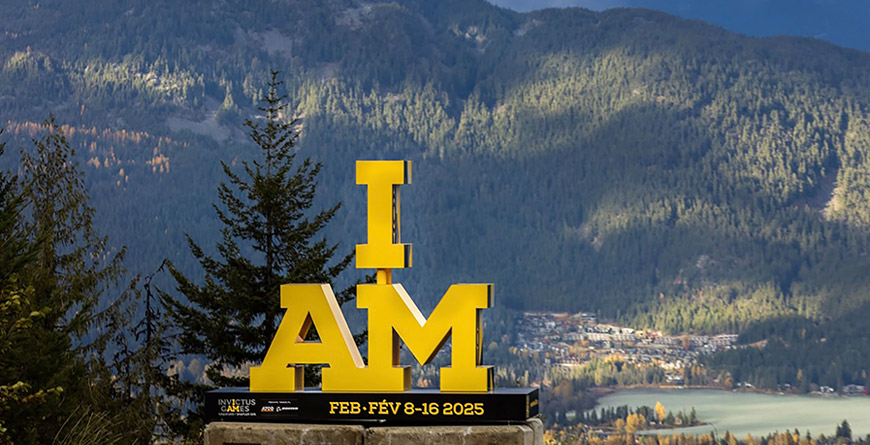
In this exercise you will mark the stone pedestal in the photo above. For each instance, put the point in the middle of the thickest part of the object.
(237, 433)
(530, 432)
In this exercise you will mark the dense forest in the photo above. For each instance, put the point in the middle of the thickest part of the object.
(660, 171)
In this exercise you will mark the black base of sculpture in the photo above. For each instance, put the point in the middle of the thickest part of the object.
(418, 406)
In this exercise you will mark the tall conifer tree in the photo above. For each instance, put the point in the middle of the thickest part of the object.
(53, 270)
(270, 236)
(15, 251)
(17, 316)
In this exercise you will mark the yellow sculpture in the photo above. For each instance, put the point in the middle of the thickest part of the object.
(383, 250)
(393, 316)
(307, 304)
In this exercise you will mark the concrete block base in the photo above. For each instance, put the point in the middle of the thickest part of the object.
(530, 432)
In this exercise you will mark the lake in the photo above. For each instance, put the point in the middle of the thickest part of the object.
(744, 413)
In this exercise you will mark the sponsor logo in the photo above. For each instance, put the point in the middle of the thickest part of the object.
(236, 406)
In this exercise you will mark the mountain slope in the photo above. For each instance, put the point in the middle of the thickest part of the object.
(652, 168)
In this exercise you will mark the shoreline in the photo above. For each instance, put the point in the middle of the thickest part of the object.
(741, 412)
(603, 391)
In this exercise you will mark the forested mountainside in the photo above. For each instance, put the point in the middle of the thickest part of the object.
(660, 170)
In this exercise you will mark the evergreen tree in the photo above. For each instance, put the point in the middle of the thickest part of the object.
(17, 317)
(74, 265)
(844, 430)
(54, 270)
(270, 237)
(142, 355)
(15, 251)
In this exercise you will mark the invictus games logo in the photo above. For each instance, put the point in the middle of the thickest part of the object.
(392, 314)
(237, 406)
